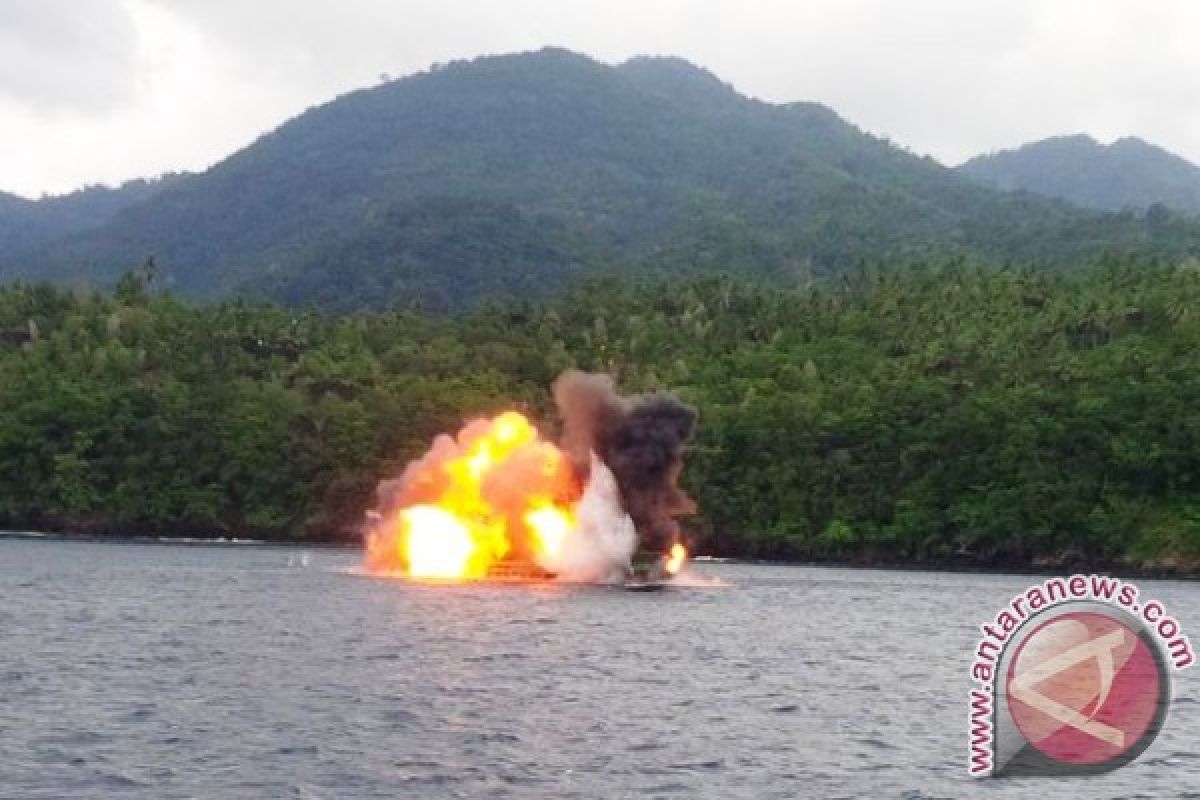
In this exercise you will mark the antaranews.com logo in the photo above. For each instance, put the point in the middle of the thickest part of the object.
(1072, 678)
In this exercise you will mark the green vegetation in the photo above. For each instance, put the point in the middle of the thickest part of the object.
(28, 224)
(947, 413)
(1129, 173)
(515, 175)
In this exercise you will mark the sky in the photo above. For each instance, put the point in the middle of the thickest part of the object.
(102, 91)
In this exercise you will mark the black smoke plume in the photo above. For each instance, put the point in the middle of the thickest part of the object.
(641, 439)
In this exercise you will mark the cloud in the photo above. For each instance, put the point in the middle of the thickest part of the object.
(76, 55)
(141, 86)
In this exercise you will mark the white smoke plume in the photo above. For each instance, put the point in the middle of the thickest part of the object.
(602, 545)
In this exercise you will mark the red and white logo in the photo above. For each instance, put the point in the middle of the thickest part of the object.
(1072, 677)
(1084, 688)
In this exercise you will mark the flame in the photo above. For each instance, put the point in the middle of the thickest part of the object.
(550, 527)
(675, 559)
(496, 490)
(436, 544)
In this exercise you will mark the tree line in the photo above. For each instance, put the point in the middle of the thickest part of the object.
(946, 413)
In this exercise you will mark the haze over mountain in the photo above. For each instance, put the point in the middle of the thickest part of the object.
(25, 223)
(513, 175)
(1129, 173)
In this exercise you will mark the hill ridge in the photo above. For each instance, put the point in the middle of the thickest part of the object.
(1129, 172)
(522, 173)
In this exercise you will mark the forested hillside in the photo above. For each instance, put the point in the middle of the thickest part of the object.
(28, 224)
(514, 176)
(936, 413)
(1129, 173)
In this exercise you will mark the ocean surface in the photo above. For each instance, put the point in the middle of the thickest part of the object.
(169, 671)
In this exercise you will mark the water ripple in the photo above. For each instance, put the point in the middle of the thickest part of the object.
(154, 672)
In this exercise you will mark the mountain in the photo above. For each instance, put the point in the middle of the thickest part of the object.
(517, 174)
(25, 224)
(1129, 173)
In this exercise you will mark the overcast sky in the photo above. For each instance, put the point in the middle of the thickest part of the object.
(99, 91)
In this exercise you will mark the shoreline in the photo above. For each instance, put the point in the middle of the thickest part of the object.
(185, 541)
(1166, 571)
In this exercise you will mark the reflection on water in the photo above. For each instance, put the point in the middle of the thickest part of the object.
(167, 671)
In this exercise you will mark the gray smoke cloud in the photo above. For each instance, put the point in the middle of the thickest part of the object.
(641, 440)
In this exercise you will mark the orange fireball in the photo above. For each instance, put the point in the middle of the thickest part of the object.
(495, 491)
(436, 544)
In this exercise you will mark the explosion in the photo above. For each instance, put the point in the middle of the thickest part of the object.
(496, 490)
(498, 498)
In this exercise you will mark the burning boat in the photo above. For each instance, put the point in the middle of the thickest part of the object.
(499, 502)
